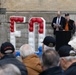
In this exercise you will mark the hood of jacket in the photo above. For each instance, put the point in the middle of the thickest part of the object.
(33, 62)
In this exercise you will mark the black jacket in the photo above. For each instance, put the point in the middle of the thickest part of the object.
(71, 70)
(71, 26)
(53, 71)
(62, 23)
(10, 59)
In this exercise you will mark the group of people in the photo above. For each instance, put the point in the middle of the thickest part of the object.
(52, 62)
(61, 23)
(61, 61)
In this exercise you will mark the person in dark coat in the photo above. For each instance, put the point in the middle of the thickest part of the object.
(71, 70)
(58, 22)
(7, 52)
(68, 59)
(70, 24)
(50, 61)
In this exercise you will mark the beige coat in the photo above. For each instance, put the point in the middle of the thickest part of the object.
(33, 64)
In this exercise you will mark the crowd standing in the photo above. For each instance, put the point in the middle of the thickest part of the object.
(51, 62)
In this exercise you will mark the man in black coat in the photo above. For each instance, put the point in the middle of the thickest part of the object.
(68, 59)
(50, 60)
(70, 24)
(58, 22)
(71, 70)
(8, 57)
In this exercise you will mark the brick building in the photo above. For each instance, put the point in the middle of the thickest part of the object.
(32, 8)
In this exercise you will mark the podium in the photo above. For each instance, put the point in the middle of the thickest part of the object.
(62, 38)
